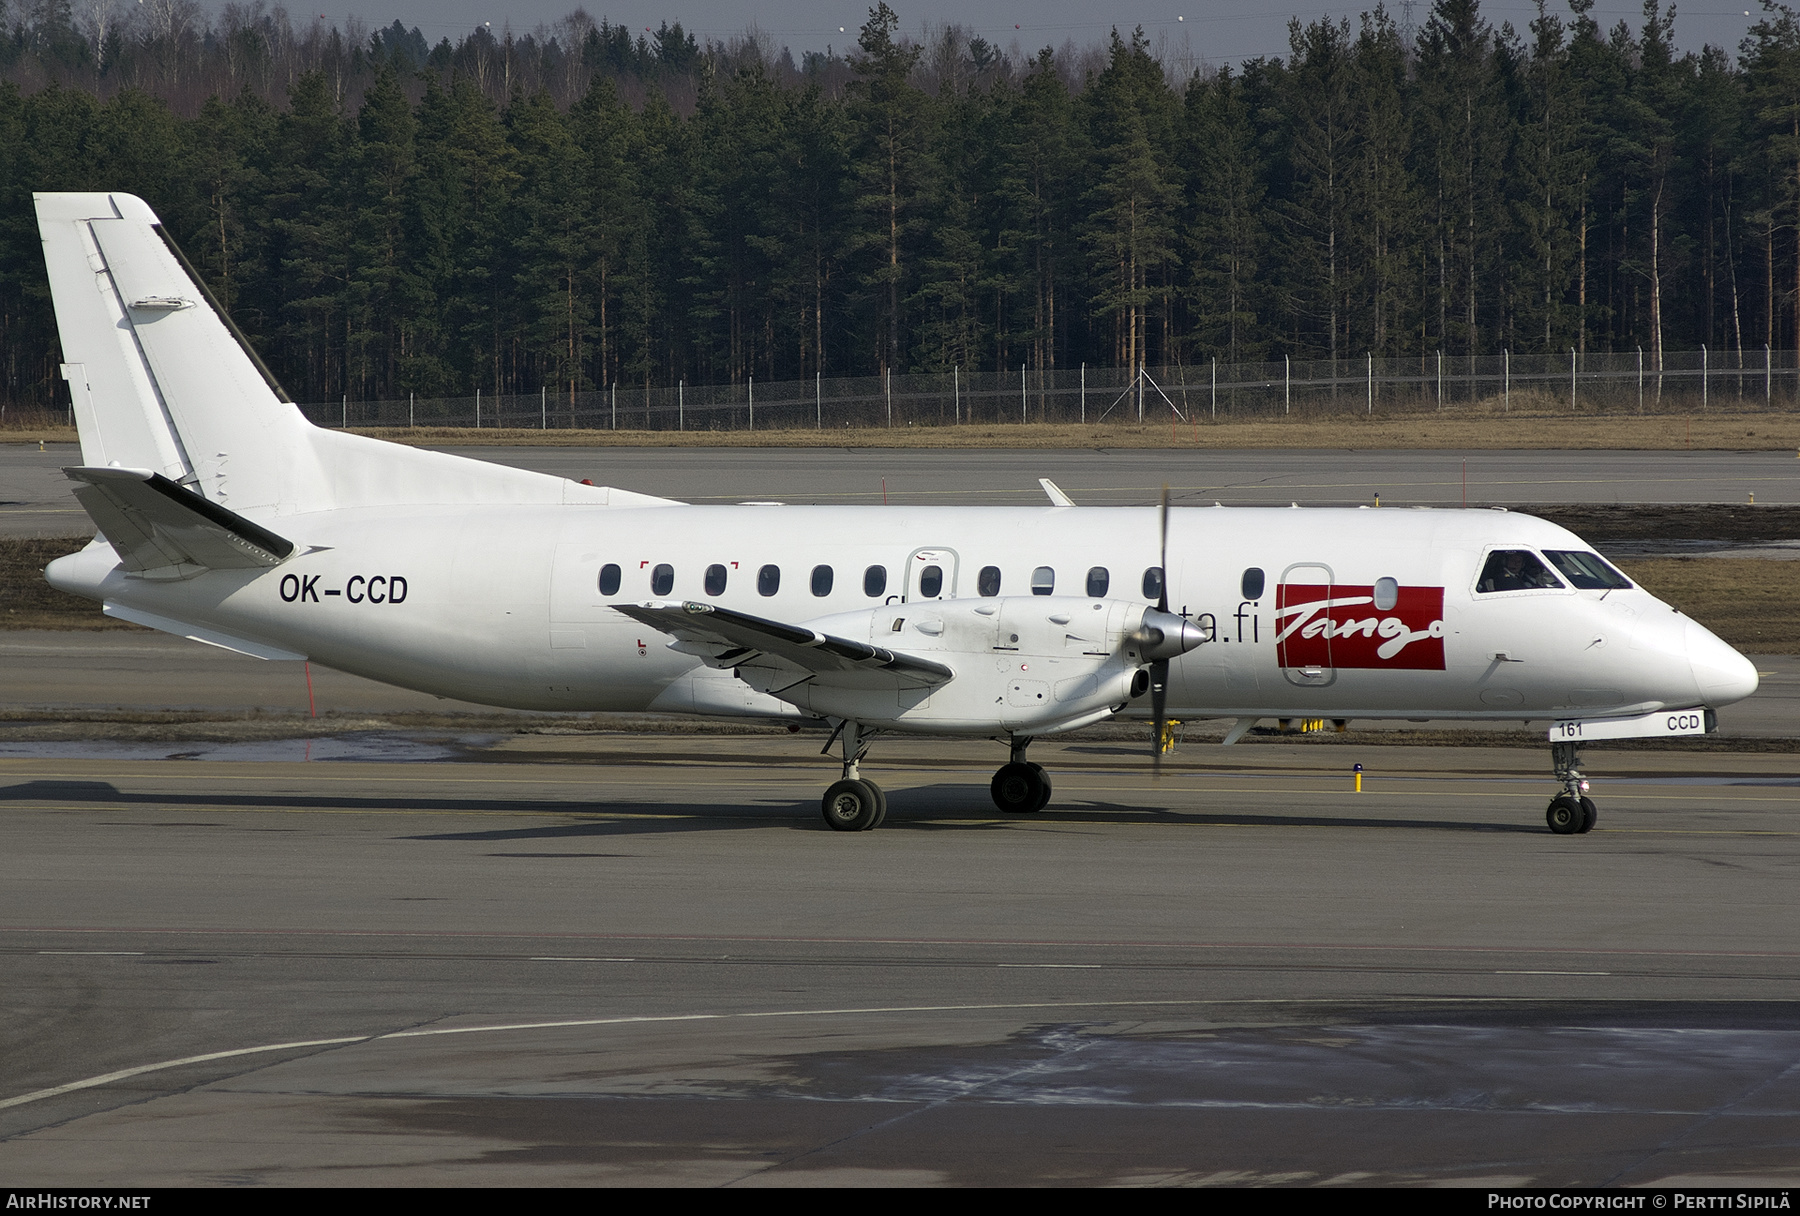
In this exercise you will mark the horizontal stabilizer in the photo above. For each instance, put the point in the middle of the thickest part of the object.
(198, 633)
(156, 527)
(730, 638)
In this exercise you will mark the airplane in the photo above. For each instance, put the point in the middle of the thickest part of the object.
(225, 517)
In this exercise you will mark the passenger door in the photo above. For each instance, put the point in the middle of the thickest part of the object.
(931, 575)
(1302, 625)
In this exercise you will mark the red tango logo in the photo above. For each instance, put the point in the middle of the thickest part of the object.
(1339, 626)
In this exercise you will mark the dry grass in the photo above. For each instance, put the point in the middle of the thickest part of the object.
(1754, 605)
(1482, 425)
(28, 602)
(1474, 428)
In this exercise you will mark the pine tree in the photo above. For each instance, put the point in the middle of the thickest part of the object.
(1326, 147)
(1225, 235)
(1131, 209)
(1381, 187)
(890, 118)
(554, 242)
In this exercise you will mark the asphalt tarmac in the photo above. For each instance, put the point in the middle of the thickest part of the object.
(35, 500)
(644, 960)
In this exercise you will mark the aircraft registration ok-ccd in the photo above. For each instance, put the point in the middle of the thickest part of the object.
(225, 517)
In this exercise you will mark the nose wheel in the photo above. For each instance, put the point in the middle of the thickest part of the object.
(1571, 812)
(1571, 816)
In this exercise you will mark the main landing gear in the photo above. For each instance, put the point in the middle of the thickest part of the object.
(1572, 811)
(854, 804)
(1021, 787)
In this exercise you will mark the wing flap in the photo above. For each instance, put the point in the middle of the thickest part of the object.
(725, 638)
(155, 526)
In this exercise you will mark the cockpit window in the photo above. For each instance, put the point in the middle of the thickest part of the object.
(1515, 570)
(1586, 570)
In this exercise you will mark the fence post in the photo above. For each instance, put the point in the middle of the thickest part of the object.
(411, 405)
(1572, 377)
(1022, 405)
(1215, 389)
(818, 398)
(1084, 392)
(681, 404)
(478, 407)
(887, 387)
(615, 405)
(1703, 370)
(543, 407)
(1768, 376)
(1371, 382)
(956, 393)
(1287, 384)
(753, 401)
(1506, 395)
(1440, 380)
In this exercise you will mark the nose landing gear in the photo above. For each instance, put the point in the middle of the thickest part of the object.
(1572, 811)
(1020, 787)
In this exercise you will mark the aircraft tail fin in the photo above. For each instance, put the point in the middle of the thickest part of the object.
(158, 377)
(163, 382)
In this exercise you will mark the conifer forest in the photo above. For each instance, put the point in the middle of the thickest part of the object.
(583, 206)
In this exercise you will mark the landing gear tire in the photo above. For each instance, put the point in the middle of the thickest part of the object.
(1566, 815)
(852, 805)
(1590, 815)
(1020, 788)
(880, 802)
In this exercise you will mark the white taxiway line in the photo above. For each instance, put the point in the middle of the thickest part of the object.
(107, 1078)
(648, 1019)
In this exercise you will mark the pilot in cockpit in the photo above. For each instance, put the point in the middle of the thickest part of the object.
(1515, 570)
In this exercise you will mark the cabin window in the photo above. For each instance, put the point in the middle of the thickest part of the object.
(1098, 581)
(931, 582)
(821, 581)
(988, 581)
(715, 579)
(768, 580)
(1043, 581)
(1587, 571)
(662, 579)
(609, 578)
(1387, 594)
(1515, 570)
(1153, 583)
(874, 580)
(1253, 583)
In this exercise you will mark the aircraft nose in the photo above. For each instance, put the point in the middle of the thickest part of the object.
(1722, 674)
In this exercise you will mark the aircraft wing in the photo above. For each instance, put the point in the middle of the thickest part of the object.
(154, 524)
(736, 639)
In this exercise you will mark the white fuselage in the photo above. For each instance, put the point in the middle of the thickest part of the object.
(502, 605)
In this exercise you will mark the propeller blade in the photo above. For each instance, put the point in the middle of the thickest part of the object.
(1159, 705)
(1162, 557)
(1159, 670)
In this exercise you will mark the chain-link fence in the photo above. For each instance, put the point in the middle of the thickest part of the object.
(1572, 383)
